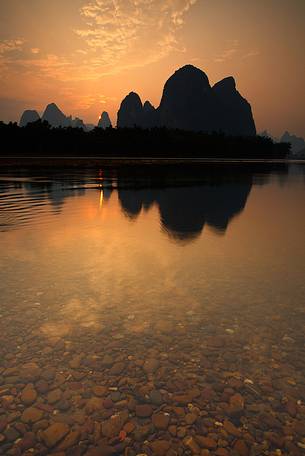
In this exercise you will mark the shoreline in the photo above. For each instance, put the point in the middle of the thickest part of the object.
(132, 161)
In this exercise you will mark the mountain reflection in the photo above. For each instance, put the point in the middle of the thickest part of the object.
(187, 198)
(185, 210)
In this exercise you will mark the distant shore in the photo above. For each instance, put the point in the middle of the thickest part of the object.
(71, 161)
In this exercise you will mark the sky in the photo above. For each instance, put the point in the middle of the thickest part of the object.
(87, 55)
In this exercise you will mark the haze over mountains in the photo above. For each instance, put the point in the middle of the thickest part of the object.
(297, 143)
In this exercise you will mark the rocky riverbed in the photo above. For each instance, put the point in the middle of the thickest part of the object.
(192, 383)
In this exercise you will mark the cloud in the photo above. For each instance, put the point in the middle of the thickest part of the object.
(116, 35)
(229, 52)
(7, 46)
(253, 53)
(130, 33)
(110, 36)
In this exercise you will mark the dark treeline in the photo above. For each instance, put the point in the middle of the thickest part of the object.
(39, 139)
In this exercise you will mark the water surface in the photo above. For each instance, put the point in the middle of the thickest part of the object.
(180, 291)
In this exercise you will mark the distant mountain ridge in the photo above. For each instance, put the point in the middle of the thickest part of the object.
(56, 118)
(297, 143)
(190, 103)
(53, 115)
(28, 116)
(104, 121)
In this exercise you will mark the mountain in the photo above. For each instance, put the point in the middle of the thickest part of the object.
(28, 116)
(130, 113)
(234, 114)
(190, 103)
(150, 116)
(78, 123)
(187, 101)
(56, 117)
(104, 121)
(297, 143)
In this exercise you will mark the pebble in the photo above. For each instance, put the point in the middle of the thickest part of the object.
(231, 428)
(28, 394)
(151, 365)
(54, 434)
(99, 390)
(161, 420)
(160, 447)
(155, 391)
(54, 396)
(144, 410)
(191, 444)
(206, 442)
(31, 415)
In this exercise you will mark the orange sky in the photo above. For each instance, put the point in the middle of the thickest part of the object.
(86, 55)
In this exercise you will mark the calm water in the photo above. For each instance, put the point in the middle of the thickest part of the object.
(156, 312)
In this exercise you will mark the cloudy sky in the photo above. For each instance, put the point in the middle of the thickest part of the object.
(86, 55)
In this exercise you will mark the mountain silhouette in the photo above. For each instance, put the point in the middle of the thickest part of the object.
(28, 116)
(130, 113)
(190, 103)
(55, 117)
(104, 121)
(78, 123)
(150, 118)
(297, 143)
(234, 113)
(187, 102)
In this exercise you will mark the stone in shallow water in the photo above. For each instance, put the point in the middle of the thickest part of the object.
(112, 427)
(151, 365)
(94, 404)
(70, 440)
(28, 441)
(237, 404)
(29, 372)
(99, 390)
(241, 448)
(31, 415)
(42, 386)
(192, 445)
(3, 423)
(161, 420)
(160, 447)
(144, 410)
(206, 442)
(54, 434)
(11, 434)
(231, 428)
(117, 368)
(28, 395)
(156, 397)
(190, 418)
(221, 452)
(107, 361)
(54, 396)
(129, 427)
